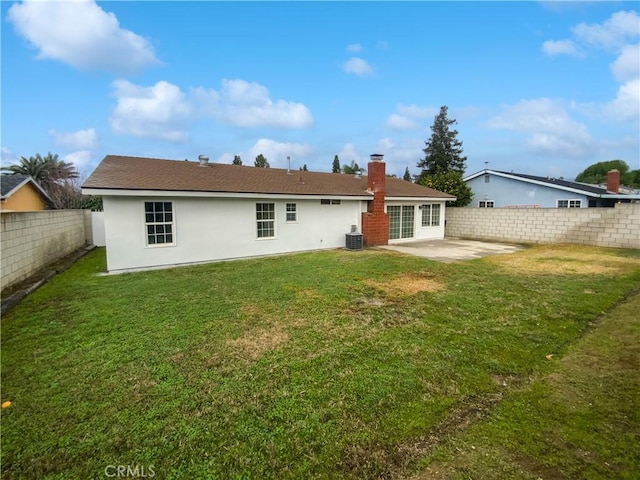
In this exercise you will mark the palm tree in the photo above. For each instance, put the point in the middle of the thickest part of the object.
(47, 171)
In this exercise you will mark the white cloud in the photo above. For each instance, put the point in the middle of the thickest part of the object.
(80, 140)
(225, 158)
(627, 65)
(7, 157)
(247, 104)
(354, 47)
(400, 122)
(358, 66)
(613, 33)
(81, 34)
(626, 105)
(617, 35)
(400, 154)
(349, 153)
(549, 127)
(276, 153)
(163, 110)
(410, 117)
(159, 111)
(80, 159)
(559, 47)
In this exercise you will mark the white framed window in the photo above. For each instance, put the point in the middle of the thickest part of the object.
(292, 213)
(266, 220)
(430, 215)
(159, 223)
(330, 201)
(486, 204)
(572, 203)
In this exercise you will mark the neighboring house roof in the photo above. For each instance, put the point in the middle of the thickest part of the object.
(9, 184)
(560, 184)
(135, 173)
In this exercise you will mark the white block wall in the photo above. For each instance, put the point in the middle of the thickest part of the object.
(31, 240)
(605, 227)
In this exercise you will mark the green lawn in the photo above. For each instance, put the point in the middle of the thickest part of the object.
(320, 365)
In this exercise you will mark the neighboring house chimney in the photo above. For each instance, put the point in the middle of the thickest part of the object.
(613, 181)
(375, 222)
(204, 160)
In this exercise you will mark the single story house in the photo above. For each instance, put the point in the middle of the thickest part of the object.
(166, 212)
(21, 193)
(493, 188)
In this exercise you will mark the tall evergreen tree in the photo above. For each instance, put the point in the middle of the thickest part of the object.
(261, 162)
(407, 175)
(443, 163)
(236, 160)
(335, 168)
(443, 151)
(304, 168)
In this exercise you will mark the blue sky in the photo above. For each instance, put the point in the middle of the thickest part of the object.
(542, 88)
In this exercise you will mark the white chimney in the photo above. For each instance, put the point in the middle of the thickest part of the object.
(204, 160)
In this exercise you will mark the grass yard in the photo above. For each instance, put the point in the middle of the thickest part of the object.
(330, 365)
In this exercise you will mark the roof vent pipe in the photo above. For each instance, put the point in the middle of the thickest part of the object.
(204, 160)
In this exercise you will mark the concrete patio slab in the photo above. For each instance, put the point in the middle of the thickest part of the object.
(452, 249)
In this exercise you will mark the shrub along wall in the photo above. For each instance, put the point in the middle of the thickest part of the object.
(605, 227)
(31, 240)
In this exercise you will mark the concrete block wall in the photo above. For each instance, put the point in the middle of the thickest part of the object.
(605, 227)
(31, 240)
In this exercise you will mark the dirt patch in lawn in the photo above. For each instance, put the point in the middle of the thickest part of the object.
(256, 342)
(565, 260)
(410, 284)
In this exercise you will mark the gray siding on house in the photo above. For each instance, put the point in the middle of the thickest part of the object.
(507, 192)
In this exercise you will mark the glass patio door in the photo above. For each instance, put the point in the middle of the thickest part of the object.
(401, 221)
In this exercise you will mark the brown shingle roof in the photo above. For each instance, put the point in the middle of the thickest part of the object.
(135, 173)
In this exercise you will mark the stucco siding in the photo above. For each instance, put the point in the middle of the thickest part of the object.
(209, 229)
(25, 199)
(508, 192)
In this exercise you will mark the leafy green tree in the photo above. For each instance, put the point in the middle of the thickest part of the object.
(261, 162)
(93, 203)
(351, 169)
(335, 168)
(443, 151)
(450, 182)
(597, 173)
(407, 175)
(236, 160)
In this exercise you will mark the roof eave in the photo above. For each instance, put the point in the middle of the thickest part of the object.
(123, 192)
(621, 196)
(421, 199)
(535, 182)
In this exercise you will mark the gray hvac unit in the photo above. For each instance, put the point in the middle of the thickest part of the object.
(354, 241)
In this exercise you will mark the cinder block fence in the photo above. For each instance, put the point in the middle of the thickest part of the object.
(605, 227)
(31, 240)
